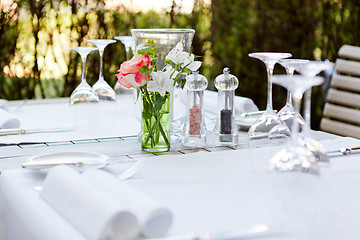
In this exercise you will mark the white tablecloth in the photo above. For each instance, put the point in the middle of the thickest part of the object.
(218, 191)
(121, 119)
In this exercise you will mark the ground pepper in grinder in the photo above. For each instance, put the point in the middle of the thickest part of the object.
(225, 128)
(194, 134)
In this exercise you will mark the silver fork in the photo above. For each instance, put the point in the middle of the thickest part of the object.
(122, 176)
(133, 169)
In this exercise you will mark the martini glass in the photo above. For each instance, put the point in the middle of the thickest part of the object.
(259, 132)
(83, 100)
(296, 157)
(287, 113)
(311, 69)
(129, 44)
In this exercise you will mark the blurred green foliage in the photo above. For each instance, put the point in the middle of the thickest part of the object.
(35, 37)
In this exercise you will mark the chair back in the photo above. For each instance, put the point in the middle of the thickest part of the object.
(341, 113)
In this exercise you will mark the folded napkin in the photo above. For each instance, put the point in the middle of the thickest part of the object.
(241, 104)
(91, 210)
(7, 120)
(155, 220)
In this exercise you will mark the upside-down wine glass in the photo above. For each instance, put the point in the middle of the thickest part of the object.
(106, 94)
(129, 44)
(287, 113)
(101, 87)
(268, 128)
(311, 69)
(83, 100)
(296, 157)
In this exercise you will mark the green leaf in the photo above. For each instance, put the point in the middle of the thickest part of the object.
(183, 84)
(141, 51)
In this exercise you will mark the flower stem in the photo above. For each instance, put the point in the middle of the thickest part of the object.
(155, 130)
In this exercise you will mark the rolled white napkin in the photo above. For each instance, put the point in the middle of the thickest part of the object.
(155, 220)
(7, 120)
(89, 209)
(241, 104)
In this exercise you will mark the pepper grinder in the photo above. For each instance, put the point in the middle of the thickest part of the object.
(194, 133)
(225, 128)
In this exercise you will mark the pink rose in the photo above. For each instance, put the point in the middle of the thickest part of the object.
(129, 75)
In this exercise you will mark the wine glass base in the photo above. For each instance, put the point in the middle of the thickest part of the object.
(83, 95)
(294, 159)
(268, 130)
(316, 148)
(289, 117)
(104, 91)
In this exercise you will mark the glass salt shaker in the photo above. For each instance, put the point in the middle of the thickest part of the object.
(225, 128)
(194, 132)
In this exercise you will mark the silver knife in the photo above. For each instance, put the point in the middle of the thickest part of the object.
(343, 151)
(18, 131)
(40, 164)
(256, 231)
(248, 114)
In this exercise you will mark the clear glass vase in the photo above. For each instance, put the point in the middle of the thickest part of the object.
(155, 122)
(166, 39)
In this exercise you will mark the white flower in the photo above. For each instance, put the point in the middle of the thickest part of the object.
(175, 55)
(190, 63)
(185, 59)
(161, 82)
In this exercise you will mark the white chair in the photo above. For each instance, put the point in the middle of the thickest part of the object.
(341, 113)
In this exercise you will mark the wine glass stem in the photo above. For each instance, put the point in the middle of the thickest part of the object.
(101, 53)
(83, 74)
(295, 125)
(307, 112)
(290, 73)
(269, 106)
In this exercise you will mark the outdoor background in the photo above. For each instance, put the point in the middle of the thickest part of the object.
(35, 37)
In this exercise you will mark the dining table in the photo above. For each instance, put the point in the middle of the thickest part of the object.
(212, 189)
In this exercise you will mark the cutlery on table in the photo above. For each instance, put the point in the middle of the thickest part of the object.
(50, 163)
(255, 231)
(343, 151)
(248, 114)
(18, 131)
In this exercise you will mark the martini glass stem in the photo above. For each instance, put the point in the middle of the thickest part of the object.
(269, 106)
(83, 74)
(101, 53)
(307, 112)
(290, 73)
(295, 125)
